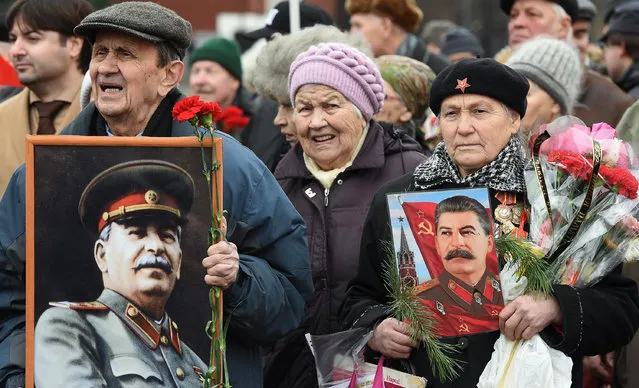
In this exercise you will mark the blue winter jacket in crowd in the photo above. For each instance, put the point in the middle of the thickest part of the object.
(12, 286)
(274, 281)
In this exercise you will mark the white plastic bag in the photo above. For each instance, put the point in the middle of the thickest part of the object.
(525, 363)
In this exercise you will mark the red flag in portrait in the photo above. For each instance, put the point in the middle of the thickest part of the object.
(421, 219)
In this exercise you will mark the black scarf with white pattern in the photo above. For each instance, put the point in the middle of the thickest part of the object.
(505, 173)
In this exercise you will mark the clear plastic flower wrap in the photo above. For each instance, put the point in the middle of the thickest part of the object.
(583, 221)
(617, 245)
(590, 183)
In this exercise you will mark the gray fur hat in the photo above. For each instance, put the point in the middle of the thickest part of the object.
(143, 19)
(554, 66)
(276, 57)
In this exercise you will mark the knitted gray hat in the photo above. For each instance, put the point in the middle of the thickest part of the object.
(143, 19)
(553, 65)
(459, 40)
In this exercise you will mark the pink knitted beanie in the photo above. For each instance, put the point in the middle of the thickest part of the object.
(344, 69)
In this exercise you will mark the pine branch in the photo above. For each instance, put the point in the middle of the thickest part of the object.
(407, 307)
(530, 259)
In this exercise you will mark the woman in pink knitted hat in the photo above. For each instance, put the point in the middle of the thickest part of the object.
(343, 156)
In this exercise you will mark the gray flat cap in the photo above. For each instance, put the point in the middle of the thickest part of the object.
(144, 19)
(587, 10)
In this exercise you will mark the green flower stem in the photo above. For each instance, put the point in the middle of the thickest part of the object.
(217, 374)
(217, 217)
(217, 235)
(218, 346)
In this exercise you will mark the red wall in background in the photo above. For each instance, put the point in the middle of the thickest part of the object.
(202, 13)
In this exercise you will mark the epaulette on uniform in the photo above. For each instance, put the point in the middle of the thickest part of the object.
(427, 285)
(95, 305)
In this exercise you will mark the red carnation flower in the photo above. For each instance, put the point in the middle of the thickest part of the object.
(608, 174)
(231, 111)
(572, 163)
(236, 122)
(621, 180)
(213, 108)
(232, 119)
(187, 108)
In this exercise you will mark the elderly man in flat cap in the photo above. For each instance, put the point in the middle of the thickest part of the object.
(264, 268)
(125, 338)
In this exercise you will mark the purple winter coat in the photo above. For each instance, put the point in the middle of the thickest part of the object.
(335, 218)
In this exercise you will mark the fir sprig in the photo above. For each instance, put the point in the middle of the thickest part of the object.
(406, 306)
(531, 263)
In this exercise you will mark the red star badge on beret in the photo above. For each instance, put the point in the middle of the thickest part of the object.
(462, 84)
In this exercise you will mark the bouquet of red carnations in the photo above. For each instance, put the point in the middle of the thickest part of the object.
(582, 188)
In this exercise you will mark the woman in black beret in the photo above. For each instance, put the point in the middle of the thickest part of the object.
(480, 103)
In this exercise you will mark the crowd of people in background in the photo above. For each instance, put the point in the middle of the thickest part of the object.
(335, 119)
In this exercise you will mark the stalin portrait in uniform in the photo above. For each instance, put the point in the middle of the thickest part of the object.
(466, 298)
(125, 338)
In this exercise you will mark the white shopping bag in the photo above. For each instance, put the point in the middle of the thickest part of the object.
(524, 363)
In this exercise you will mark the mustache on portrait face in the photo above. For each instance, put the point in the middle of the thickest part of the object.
(152, 261)
(462, 253)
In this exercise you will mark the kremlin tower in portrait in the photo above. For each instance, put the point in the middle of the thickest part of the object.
(406, 259)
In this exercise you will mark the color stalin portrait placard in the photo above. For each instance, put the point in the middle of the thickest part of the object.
(444, 243)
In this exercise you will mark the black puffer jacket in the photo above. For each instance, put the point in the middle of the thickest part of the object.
(629, 82)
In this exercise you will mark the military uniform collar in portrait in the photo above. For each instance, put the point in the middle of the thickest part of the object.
(149, 331)
(133, 348)
(448, 290)
(462, 309)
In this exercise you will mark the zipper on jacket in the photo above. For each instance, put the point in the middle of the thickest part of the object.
(326, 192)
